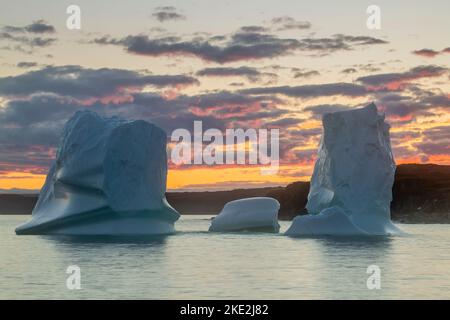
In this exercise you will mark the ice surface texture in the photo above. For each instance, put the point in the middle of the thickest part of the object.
(109, 177)
(351, 187)
(252, 214)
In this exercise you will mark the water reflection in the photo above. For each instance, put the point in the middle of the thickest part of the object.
(347, 259)
(151, 240)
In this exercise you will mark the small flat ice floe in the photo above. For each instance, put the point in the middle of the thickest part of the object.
(249, 214)
(351, 187)
(109, 178)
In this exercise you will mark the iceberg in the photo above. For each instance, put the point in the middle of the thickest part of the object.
(351, 186)
(108, 178)
(251, 214)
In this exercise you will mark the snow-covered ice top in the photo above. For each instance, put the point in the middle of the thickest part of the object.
(104, 165)
(258, 213)
(353, 176)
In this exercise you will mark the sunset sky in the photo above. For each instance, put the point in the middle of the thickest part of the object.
(231, 64)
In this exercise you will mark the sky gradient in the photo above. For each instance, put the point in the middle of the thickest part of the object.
(252, 64)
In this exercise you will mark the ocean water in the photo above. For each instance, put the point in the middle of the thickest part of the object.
(195, 264)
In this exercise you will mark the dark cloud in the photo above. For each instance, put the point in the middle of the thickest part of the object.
(435, 141)
(253, 29)
(77, 81)
(13, 29)
(359, 40)
(289, 23)
(404, 152)
(406, 135)
(38, 26)
(27, 40)
(339, 42)
(30, 127)
(251, 74)
(27, 37)
(396, 80)
(349, 70)
(306, 74)
(26, 64)
(163, 14)
(45, 113)
(369, 67)
(242, 45)
(236, 84)
(312, 91)
(39, 108)
(306, 155)
(29, 131)
(403, 108)
(319, 110)
(437, 133)
(436, 100)
(430, 53)
(434, 148)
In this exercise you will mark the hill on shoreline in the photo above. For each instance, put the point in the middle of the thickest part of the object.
(421, 194)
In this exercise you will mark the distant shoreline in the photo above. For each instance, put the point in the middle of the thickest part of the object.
(421, 194)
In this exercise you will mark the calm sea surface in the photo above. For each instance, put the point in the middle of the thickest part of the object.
(195, 264)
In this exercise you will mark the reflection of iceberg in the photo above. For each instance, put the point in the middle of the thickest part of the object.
(253, 214)
(351, 187)
(109, 178)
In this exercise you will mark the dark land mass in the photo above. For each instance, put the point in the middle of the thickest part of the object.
(421, 194)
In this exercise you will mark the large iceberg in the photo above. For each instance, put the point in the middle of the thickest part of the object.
(109, 178)
(351, 187)
(251, 214)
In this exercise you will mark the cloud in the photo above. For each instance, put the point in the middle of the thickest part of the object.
(168, 13)
(289, 23)
(434, 148)
(284, 122)
(26, 40)
(38, 26)
(404, 136)
(430, 53)
(80, 82)
(241, 45)
(251, 74)
(319, 110)
(13, 29)
(253, 29)
(349, 70)
(306, 74)
(394, 81)
(28, 37)
(312, 91)
(436, 141)
(338, 42)
(437, 100)
(307, 155)
(403, 108)
(30, 126)
(26, 64)
(29, 131)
